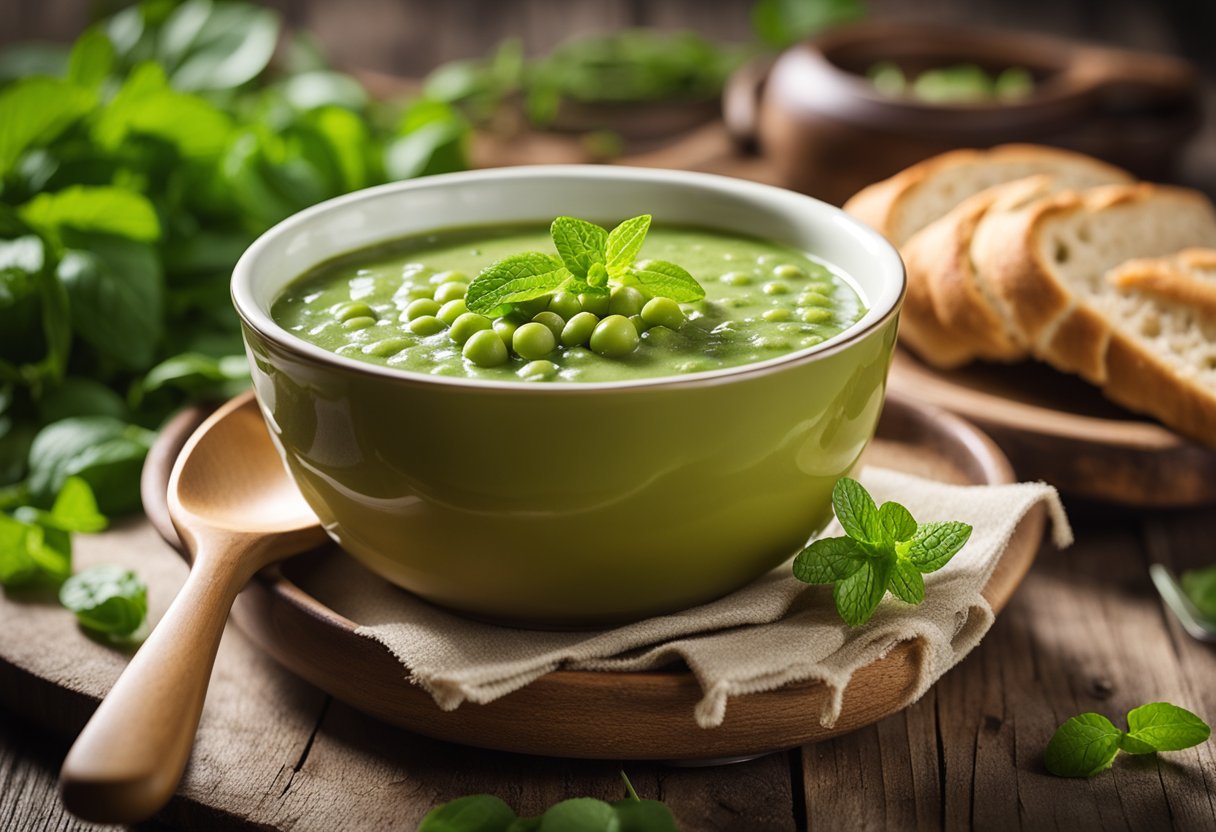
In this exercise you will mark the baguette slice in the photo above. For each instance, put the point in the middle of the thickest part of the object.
(900, 206)
(1060, 269)
(968, 322)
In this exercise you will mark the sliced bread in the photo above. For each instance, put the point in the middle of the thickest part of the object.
(900, 206)
(1060, 270)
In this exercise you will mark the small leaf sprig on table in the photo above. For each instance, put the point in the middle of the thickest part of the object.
(589, 258)
(884, 549)
(1086, 745)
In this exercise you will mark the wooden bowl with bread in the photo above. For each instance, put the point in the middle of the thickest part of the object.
(826, 119)
(1024, 253)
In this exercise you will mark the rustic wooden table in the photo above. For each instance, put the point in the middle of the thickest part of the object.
(1085, 632)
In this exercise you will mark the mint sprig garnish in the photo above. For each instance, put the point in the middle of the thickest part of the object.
(1086, 745)
(589, 260)
(884, 550)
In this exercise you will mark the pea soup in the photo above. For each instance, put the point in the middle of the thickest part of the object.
(402, 305)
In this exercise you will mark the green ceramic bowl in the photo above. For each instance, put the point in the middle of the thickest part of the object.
(570, 505)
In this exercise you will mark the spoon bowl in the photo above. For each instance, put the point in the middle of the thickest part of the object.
(236, 510)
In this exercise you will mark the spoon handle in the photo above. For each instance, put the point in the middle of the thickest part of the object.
(127, 762)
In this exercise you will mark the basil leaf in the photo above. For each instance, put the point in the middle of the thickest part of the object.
(514, 279)
(1160, 726)
(475, 813)
(34, 111)
(585, 814)
(667, 280)
(624, 243)
(896, 523)
(858, 595)
(91, 60)
(75, 509)
(579, 244)
(217, 46)
(84, 208)
(105, 452)
(1083, 746)
(934, 544)
(856, 511)
(828, 560)
(116, 295)
(906, 582)
(106, 599)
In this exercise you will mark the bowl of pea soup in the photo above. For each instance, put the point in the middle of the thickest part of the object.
(570, 396)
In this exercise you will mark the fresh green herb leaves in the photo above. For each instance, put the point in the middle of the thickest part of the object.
(36, 545)
(109, 600)
(1086, 745)
(487, 813)
(885, 549)
(588, 259)
(1200, 588)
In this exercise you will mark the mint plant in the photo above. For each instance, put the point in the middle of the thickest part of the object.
(589, 261)
(884, 549)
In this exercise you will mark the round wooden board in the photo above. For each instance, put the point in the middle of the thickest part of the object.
(639, 715)
(1056, 428)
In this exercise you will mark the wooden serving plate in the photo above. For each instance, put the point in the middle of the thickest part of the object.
(638, 715)
(1060, 430)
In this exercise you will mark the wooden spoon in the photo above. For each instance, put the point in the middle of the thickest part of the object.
(237, 510)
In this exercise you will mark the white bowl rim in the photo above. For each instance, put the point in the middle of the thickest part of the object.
(883, 307)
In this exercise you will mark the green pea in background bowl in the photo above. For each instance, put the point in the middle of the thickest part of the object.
(567, 504)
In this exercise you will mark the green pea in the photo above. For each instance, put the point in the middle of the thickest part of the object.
(778, 313)
(578, 329)
(534, 340)
(555, 322)
(420, 307)
(529, 308)
(415, 291)
(595, 304)
(824, 287)
(362, 322)
(449, 277)
(537, 371)
(661, 337)
(810, 340)
(769, 342)
(467, 324)
(451, 291)
(506, 326)
(626, 301)
(452, 310)
(355, 309)
(814, 299)
(776, 287)
(639, 323)
(484, 348)
(426, 325)
(815, 315)
(788, 271)
(566, 305)
(736, 279)
(387, 347)
(663, 312)
(615, 337)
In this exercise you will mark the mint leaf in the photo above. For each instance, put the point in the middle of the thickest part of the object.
(1164, 727)
(666, 280)
(49, 547)
(624, 243)
(514, 279)
(91, 60)
(34, 111)
(217, 46)
(579, 243)
(146, 105)
(586, 814)
(1083, 746)
(934, 544)
(105, 452)
(644, 816)
(75, 509)
(106, 599)
(17, 566)
(896, 523)
(475, 813)
(856, 511)
(101, 208)
(906, 582)
(858, 595)
(828, 560)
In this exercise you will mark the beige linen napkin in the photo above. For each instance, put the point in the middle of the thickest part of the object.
(775, 631)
